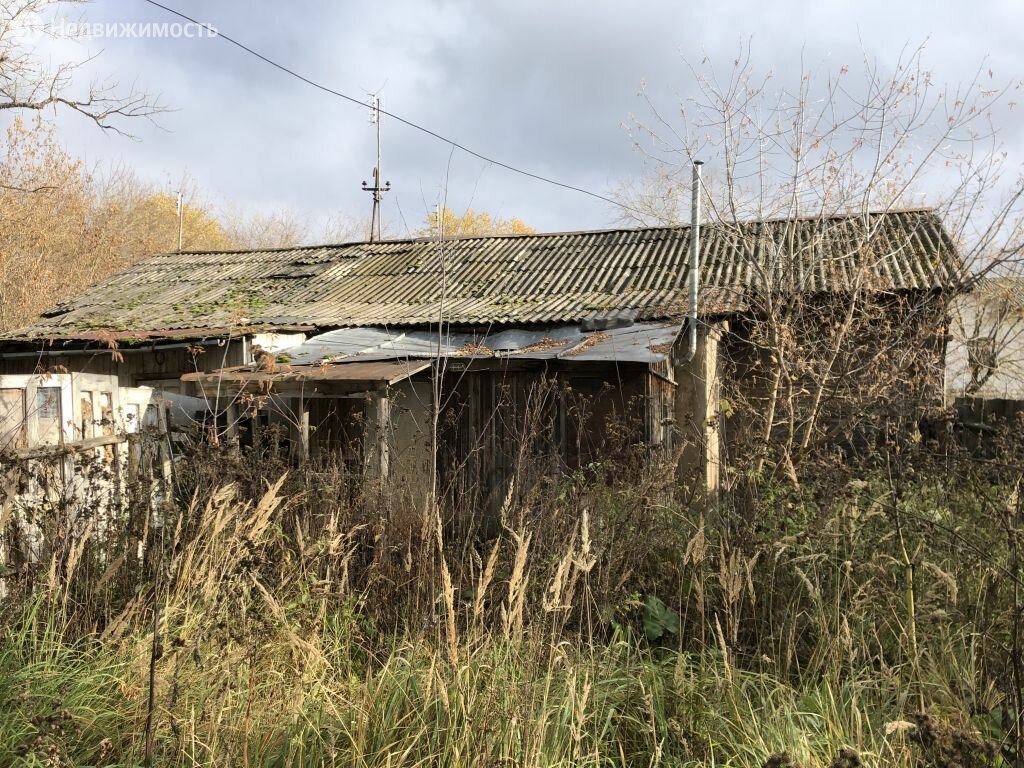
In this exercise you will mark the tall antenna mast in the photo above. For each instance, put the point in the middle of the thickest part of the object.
(377, 191)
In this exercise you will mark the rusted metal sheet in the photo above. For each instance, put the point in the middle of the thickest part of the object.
(521, 279)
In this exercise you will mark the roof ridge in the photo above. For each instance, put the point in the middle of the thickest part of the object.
(566, 233)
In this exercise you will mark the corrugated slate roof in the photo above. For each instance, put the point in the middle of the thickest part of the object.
(1001, 289)
(522, 279)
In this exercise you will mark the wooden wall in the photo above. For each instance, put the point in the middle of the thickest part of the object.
(133, 366)
(534, 422)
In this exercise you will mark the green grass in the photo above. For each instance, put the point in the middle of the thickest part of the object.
(525, 703)
(63, 702)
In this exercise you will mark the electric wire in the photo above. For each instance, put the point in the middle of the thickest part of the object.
(416, 126)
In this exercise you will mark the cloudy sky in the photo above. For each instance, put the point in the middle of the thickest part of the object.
(546, 85)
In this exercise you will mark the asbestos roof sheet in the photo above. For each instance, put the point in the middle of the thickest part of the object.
(1003, 290)
(638, 343)
(508, 280)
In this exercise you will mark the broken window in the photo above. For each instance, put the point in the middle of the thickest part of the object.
(131, 418)
(106, 421)
(88, 415)
(981, 359)
(12, 419)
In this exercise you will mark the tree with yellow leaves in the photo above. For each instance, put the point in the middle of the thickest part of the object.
(156, 215)
(63, 229)
(473, 224)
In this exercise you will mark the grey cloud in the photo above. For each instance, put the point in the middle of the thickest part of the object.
(543, 85)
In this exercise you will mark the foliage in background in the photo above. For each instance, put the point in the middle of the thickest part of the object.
(472, 223)
(65, 226)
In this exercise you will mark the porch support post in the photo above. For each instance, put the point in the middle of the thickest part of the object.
(303, 425)
(164, 449)
(697, 399)
(232, 415)
(376, 445)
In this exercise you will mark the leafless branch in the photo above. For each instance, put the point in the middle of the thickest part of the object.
(29, 84)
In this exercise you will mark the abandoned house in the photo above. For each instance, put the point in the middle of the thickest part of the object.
(422, 361)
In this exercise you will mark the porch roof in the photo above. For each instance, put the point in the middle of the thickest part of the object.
(346, 378)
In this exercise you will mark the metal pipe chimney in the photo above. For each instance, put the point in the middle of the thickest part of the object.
(694, 271)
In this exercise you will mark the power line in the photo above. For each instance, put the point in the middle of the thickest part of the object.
(320, 86)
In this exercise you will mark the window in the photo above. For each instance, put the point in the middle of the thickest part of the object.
(106, 421)
(12, 419)
(981, 359)
(47, 416)
(88, 415)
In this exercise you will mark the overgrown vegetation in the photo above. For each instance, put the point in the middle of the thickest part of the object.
(830, 607)
(608, 622)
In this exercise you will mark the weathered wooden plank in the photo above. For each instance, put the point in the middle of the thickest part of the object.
(75, 446)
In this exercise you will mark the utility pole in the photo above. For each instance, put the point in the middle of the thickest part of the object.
(377, 191)
(181, 218)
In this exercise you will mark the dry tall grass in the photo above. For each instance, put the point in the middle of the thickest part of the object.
(611, 624)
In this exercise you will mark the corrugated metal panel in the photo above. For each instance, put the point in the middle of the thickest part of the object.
(640, 343)
(523, 279)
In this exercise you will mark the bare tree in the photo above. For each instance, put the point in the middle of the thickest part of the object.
(986, 350)
(29, 83)
(341, 227)
(858, 142)
(277, 229)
